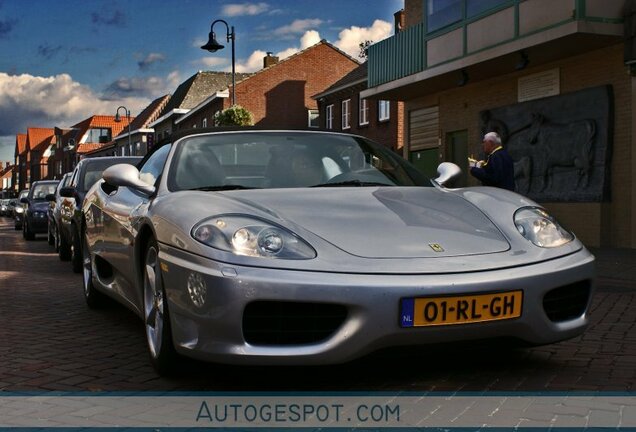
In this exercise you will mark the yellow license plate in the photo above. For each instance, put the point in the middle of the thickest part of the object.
(434, 311)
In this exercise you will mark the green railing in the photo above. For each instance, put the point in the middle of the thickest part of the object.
(398, 56)
(405, 53)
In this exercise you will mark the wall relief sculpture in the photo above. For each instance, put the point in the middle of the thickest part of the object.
(561, 145)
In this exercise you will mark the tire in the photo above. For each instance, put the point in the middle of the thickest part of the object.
(94, 299)
(156, 316)
(50, 237)
(26, 231)
(76, 251)
(64, 251)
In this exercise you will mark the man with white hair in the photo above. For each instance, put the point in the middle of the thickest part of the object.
(498, 169)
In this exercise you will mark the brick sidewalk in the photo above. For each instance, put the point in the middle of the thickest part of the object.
(616, 266)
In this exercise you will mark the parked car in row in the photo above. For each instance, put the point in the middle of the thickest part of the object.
(18, 210)
(291, 247)
(11, 207)
(4, 207)
(86, 173)
(35, 220)
(57, 202)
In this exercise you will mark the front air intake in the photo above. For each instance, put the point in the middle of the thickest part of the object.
(290, 323)
(567, 302)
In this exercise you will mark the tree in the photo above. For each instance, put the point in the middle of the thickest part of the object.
(233, 116)
(364, 49)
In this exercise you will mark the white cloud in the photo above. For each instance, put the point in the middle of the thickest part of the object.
(253, 63)
(349, 39)
(32, 101)
(212, 62)
(236, 9)
(311, 37)
(298, 27)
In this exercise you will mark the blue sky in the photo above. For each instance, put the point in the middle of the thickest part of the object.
(64, 60)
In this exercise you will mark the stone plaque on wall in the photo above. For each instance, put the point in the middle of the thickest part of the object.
(539, 85)
(561, 145)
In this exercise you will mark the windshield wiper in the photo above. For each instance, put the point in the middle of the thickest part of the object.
(222, 188)
(351, 183)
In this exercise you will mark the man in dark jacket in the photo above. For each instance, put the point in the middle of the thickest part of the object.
(498, 169)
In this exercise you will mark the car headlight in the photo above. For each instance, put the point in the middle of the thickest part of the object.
(540, 228)
(19, 210)
(251, 237)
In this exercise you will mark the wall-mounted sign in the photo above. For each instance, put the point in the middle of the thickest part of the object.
(539, 85)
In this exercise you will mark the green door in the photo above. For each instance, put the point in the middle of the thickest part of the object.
(457, 151)
(426, 161)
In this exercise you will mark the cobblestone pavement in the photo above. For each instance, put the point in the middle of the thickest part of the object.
(50, 340)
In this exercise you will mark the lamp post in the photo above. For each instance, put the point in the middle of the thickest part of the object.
(214, 46)
(118, 119)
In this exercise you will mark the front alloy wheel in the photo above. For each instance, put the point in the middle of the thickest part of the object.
(157, 320)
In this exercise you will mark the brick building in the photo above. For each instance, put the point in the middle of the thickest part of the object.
(139, 138)
(72, 144)
(280, 94)
(189, 94)
(342, 109)
(535, 71)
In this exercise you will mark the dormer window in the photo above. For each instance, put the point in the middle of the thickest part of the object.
(99, 135)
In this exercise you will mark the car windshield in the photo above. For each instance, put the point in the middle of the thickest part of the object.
(40, 191)
(267, 159)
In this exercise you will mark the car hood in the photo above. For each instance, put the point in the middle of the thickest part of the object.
(380, 230)
(39, 205)
(382, 222)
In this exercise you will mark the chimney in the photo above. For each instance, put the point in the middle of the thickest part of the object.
(269, 60)
(398, 19)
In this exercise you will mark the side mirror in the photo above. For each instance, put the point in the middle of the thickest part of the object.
(50, 197)
(127, 175)
(24, 200)
(447, 171)
(67, 192)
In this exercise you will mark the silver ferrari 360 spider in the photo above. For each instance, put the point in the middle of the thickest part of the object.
(298, 247)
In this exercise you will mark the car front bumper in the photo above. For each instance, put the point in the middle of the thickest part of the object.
(214, 331)
(38, 223)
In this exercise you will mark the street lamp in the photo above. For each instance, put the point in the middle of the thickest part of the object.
(118, 119)
(214, 46)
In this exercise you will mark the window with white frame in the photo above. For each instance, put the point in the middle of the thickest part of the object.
(205, 122)
(329, 117)
(346, 114)
(384, 110)
(313, 118)
(363, 116)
